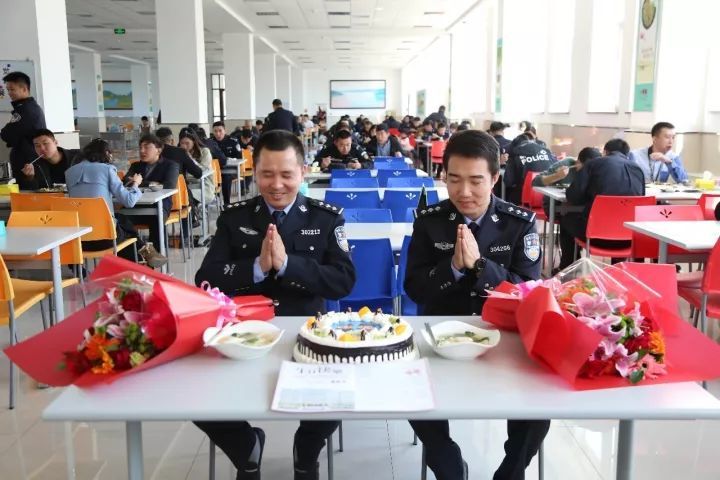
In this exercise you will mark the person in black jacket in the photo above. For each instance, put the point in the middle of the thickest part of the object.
(185, 163)
(343, 154)
(460, 248)
(154, 169)
(53, 162)
(383, 144)
(292, 249)
(231, 148)
(526, 156)
(281, 119)
(613, 174)
(27, 117)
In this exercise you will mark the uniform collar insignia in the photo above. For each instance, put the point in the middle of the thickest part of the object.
(257, 208)
(494, 218)
(453, 216)
(302, 208)
(248, 231)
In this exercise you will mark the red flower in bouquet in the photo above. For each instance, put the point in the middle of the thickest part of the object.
(131, 326)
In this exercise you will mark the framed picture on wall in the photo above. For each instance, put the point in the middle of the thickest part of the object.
(347, 94)
(117, 95)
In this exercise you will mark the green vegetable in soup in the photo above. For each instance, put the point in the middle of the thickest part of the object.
(463, 337)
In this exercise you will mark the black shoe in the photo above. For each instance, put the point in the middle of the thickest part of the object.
(305, 473)
(251, 470)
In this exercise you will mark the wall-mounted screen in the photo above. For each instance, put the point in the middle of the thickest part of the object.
(357, 94)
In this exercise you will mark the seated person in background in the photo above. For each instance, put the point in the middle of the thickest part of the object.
(427, 131)
(524, 125)
(94, 176)
(405, 145)
(54, 161)
(391, 122)
(384, 144)
(532, 133)
(497, 131)
(177, 154)
(210, 143)
(658, 162)
(441, 132)
(154, 169)
(366, 134)
(343, 154)
(145, 126)
(463, 126)
(247, 140)
(613, 174)
(526, 156)
(200, 154)
(452, 128)
(231, 148)
(563, 172)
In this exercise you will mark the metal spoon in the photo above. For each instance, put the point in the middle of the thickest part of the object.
(430, 332)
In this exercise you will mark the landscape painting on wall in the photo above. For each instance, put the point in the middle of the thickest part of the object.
(117, 95)
(357, 93)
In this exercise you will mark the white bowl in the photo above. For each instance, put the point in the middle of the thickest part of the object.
(461, 351)
(155, 187)
(239, 351)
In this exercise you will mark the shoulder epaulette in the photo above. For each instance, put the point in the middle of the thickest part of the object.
(324, 206)
(515, 211)
(431, 209)
(242, 204)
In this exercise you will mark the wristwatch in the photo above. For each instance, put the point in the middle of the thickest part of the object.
(478, 267)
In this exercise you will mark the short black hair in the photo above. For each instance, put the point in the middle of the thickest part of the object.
(498, 126)
(342, 135)
(659, 126)
(97, 151)
(474, 144)
(150, 138)
(144, 117)
(258, 122)
(246, 133)
(462, 127)
(277, 102)
(427, 122)
(219, 124)
(17, 77)
(617, 145)
(43, 132)
(277, 141)
(441, 125)
(588, 153)
(442, 108)
(163, 133)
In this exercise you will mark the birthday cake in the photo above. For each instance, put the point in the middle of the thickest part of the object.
(355, 337)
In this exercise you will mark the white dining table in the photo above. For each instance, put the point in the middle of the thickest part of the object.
(319, 193)
(503, 384)
(314, 176)
(150, 203)
(395, 232)
(31, 241)
(695, 236)
(671, 194)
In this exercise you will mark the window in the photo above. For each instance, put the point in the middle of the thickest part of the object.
(605, 53)
(218, 96)
(560, 46)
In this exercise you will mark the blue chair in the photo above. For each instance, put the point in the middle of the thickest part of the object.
(397, 164)
(384, 175)
(398, 201)
(407, 306)
(353, 199)
(409, 215)
(340, 173)
(410, 182)
(367, 215)
(376, 283)
(354, 183)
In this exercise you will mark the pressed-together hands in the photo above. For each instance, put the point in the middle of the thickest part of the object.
(272, 251)
(467, 251)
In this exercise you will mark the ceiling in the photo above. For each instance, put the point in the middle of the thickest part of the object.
(306, 33)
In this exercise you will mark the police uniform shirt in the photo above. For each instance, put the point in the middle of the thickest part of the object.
(507, 239)
(340, 161)
(525, 157)
(318, 260)
(230, 147)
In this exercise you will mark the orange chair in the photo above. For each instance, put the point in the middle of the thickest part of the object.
(17, 297)
(218, 183)
(708, 202)
(706, 298)
(180, 211)
(94, 212)
(27, 202)
(647, 247)
(607, 222)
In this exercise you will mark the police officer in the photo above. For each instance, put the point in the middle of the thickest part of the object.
(231, 148)
(292, 249)
(343, 154)
(525, 156)
(459, 248)
(613, 174)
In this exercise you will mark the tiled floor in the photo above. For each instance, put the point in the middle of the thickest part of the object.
(574, 450)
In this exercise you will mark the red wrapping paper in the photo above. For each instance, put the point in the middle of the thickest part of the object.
(193, 311)
(563, 344)
(501, 311)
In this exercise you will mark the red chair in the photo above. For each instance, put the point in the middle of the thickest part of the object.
(437, 150)
(706, 298)
(708, 202)
(607, 222)
(648, 247)
(531, 199)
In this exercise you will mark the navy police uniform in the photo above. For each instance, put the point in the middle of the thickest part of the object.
(510, 247)
(231, 149)
(614, 174)
(524, 157)
(340, 161)
(318, 267)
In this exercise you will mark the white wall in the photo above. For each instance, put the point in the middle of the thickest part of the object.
(429, 71)
(316, 91)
